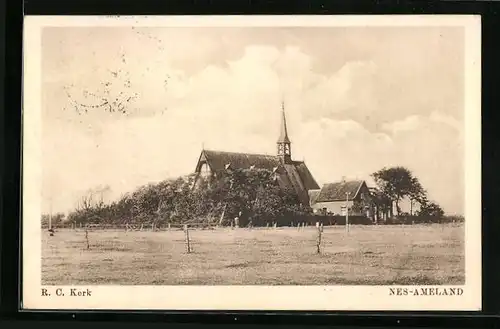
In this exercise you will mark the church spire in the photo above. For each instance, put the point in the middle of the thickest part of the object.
(284, 149)
(284, 133)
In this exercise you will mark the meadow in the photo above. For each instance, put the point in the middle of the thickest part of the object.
(367, 255)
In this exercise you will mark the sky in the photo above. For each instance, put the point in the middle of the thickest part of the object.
(357, 99)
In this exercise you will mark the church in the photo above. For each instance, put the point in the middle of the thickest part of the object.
(290, 173)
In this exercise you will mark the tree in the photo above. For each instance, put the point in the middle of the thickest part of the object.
(431, 210)
(267, 206)
(381, 202)
(397, 183)
(417, 194)
(56, 219)
(91, 207)
(166, 206)
(252, 192)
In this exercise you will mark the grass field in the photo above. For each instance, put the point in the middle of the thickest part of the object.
(368, 255)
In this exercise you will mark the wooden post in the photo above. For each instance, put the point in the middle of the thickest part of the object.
(50, 221)
(275, 225)
(87, 238)
(347, 212)
(188, 244)
(153, 227)
(169, 226)
(318, 243)
(222, 215)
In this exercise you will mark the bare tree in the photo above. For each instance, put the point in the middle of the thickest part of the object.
(93, 199)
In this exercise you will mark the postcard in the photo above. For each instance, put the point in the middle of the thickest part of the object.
(252, 163)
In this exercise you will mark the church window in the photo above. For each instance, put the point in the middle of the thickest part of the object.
(205, 170)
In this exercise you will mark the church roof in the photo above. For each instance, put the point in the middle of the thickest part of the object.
(294, 174)
(337, 191)
(217, 160)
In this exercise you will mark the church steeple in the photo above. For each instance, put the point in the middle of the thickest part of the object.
(284, 149)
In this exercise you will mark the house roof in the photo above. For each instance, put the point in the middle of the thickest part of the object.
(294, 174)
(339, 191)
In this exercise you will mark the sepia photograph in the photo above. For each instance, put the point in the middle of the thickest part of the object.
(291, 160)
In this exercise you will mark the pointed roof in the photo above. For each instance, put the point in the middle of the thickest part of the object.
(283, 133)
(339, 191)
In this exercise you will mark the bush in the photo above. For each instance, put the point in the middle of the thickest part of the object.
(252, 195)
(431, 210)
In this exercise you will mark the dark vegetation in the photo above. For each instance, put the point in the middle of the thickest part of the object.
(252, 195)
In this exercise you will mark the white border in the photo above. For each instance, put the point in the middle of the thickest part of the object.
(338, 298)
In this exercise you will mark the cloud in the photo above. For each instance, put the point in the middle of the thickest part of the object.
(430, 148)
(236, 107)
(446, 119)
(408, 124)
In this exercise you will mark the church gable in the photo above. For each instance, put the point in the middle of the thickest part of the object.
(203, 168)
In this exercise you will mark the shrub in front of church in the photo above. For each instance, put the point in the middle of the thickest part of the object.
(252, 195)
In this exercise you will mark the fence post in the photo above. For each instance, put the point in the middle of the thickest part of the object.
(274, 225)
(87, 237)
(188, 245)
(318, 243)
(168, 226)
(153, 227)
